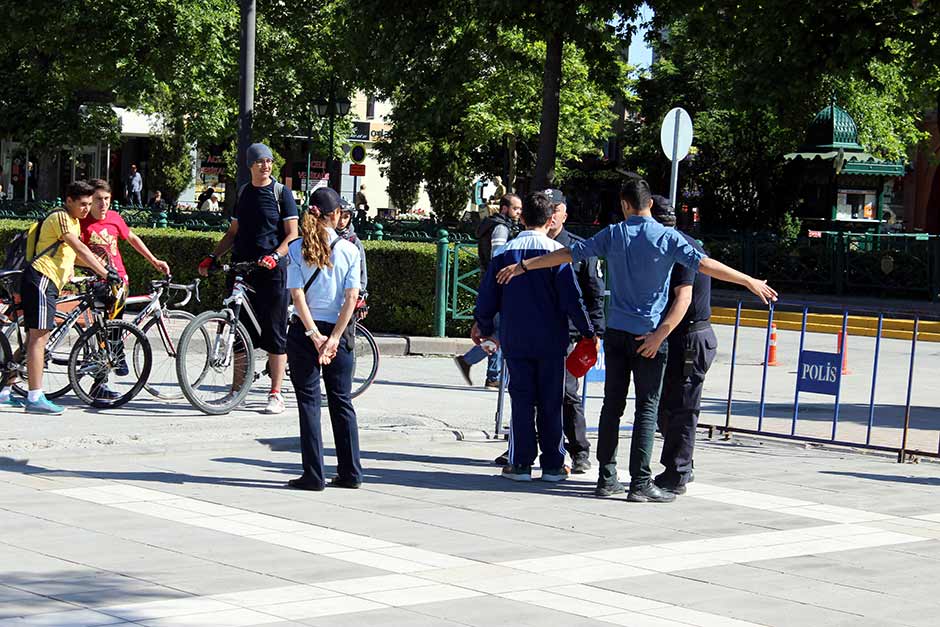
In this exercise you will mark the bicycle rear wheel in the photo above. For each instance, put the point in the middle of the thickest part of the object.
(215, 363)
(98, 357)
(163, 382)
(366, 364)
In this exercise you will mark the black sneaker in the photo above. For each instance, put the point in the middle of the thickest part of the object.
(339, 482)
(492, 384)
(649, 493)
(581, 463)
(464, 368)
(502, 460)
(101, 392)
(609, 488)
(664, 483)
(304, 484)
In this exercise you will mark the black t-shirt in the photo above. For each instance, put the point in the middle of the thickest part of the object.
(701, 306)
(260, 221)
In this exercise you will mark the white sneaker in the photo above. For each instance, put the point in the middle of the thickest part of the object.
(275, 404)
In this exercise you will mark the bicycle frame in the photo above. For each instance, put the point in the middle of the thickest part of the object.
(234, 304)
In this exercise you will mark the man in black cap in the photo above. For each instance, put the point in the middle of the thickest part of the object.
(589, 277)
(692, 348)
(264, 222)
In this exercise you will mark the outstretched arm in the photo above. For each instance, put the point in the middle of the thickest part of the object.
(722, 272)
(560, 256)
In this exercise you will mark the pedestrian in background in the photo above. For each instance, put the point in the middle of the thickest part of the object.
(135, 185)
(492, 233)
(323, 279)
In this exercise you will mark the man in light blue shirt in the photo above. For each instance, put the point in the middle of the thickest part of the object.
(640, 255)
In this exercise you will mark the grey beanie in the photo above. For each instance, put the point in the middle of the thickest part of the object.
(257, 151)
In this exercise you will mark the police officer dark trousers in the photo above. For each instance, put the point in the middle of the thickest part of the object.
(324, 279)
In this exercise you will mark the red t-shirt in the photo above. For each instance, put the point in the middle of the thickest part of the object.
(104, 235)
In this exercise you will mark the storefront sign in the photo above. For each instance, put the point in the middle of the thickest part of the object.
(360, 132)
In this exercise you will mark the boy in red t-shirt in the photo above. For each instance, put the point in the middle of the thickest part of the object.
(103, 229)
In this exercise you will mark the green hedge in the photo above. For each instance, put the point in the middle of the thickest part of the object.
(401, 275)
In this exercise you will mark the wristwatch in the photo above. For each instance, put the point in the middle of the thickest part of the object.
(275, 255)
(310, 332)
(522, 265)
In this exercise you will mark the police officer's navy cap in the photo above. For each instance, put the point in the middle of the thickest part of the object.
(325, 199)
(258, 151)
(345, 206)
(662, 208)
(555, 196)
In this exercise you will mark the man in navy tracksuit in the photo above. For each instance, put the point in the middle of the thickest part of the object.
(534, 313)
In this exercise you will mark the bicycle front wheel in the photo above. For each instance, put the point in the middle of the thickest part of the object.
(98, 370)
(215, 363)
(164, 334)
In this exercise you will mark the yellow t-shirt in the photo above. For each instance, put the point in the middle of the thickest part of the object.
(59, 266)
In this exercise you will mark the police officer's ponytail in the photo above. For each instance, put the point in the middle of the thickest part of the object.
(316, 241)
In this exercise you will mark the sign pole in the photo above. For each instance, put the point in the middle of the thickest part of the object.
(674, 178)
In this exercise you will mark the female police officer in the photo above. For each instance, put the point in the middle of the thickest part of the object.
(323, 279)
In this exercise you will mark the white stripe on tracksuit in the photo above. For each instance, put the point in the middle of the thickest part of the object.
(43, 306)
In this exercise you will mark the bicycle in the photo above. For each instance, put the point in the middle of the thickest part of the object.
(215, 363)
(96, 358)
(163, 327)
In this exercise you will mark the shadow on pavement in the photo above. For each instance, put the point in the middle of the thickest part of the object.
(932, 481)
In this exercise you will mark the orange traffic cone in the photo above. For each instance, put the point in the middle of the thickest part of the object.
(772, 357)
(845, 355)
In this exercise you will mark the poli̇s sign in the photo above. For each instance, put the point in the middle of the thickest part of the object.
(819, 373)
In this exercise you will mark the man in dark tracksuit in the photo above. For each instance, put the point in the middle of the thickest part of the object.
(588, 274)
(692, 348)
(534, 315)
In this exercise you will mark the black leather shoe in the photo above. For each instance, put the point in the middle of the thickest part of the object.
(304, 484)
(608, 489)
(649, 493)
(502, 460)
(339, 482)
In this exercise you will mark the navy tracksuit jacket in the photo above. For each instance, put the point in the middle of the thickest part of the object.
(534, 310)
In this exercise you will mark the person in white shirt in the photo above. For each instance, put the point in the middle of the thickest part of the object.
(323, 277)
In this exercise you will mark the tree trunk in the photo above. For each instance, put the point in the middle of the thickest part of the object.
(47, 176)
(548, 131)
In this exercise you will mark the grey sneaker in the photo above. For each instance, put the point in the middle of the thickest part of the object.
(555, 474)
(608, 488)
(517, 473)
(581, 463)
(464, 368)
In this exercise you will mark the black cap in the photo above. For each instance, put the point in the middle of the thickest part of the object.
(345, 206)
(325, 199)
(555, 196)
(662, 210)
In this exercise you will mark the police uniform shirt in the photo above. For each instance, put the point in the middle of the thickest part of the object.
(327, 292)
(260, 223)
(700, 308)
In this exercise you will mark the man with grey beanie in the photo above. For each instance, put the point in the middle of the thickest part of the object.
(264, 222)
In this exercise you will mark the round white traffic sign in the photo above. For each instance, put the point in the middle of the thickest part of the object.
(676, 134)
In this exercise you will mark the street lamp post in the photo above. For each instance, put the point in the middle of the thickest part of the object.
(330, 108)
(246, 87)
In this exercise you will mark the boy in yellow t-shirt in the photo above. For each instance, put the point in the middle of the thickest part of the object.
(57, 247)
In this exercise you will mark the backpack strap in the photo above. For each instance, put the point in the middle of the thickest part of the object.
(53, 247)
(317, 273)
(278, 195)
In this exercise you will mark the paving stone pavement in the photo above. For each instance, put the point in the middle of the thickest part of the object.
(767, 535)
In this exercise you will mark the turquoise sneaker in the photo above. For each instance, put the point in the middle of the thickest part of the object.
(44, 406)
(12, 401)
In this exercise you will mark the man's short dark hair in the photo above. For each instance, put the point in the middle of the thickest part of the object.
(79, 189)
(506, 200)
(636, 191)
(537, 209)
(100, 184)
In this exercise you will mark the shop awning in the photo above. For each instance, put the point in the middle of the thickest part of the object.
(859, 163)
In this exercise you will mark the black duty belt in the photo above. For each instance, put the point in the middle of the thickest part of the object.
(698, 325)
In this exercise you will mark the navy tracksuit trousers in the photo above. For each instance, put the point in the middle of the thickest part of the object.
(536, 387)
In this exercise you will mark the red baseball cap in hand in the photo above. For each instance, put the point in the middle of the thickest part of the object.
(582, 358)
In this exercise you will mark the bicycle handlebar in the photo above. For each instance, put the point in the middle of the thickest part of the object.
(241, 266)
(190, 289)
